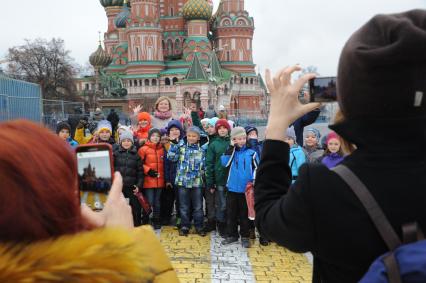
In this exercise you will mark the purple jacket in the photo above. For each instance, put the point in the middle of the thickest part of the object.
(332, 160)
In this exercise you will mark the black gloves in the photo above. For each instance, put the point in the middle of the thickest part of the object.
(230, 150)
(152, 173)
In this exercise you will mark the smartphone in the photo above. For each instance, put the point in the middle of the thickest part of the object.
(323, 89)
(95, 174)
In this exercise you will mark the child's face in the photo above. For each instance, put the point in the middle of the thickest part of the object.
(143, 123)
(64, 134)
(164, 140)
(240, 141)
(333, 145)
(163, 106)
(155, 138)
(205, 126)
(193, 107)
(104, 135)
(126, 144)
(252, 135)
(290, 141)
(192, 138)
(174, 133)
(211, 130)
(311, 140)
(222, 131)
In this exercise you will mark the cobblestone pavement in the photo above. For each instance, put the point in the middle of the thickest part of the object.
(198, 259)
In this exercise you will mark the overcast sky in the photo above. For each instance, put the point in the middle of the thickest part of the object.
(308, 32)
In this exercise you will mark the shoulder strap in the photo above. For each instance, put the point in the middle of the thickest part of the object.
(379, 219)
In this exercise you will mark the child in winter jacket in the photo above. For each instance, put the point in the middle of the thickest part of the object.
(169, 196)
(152, 155)
(144, 125)
(297, 155)
(103, 133)
(129, 164)
(333, 155)
(63, 130)
(312, 148)
(189, 178)
(216, 175)
(241, 162)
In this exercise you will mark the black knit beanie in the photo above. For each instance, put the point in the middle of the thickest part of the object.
(62, 125)
(382, 68)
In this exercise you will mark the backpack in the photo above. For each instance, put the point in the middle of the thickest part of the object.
(406, 261)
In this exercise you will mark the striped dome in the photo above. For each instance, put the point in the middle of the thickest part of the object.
(121, 19)
(100, 58)
(197, 10)
(111, 3)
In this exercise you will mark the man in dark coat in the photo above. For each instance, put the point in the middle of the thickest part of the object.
(319, 213)
(114, 120)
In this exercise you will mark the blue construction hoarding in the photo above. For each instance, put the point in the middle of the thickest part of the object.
(19, 100)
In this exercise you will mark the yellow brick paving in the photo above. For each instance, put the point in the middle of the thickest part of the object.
(191, 257)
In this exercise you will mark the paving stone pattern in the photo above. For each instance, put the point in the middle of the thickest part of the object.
(197, 259)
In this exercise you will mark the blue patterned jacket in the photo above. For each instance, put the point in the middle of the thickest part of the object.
(191, 164)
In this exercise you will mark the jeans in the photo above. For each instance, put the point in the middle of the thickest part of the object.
(220, 203)
(167, 203)
(188, 196)
(154, 196)
(237, 210)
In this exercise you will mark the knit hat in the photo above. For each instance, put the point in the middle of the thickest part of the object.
(62, 125)
(175, 124)
(213, 121)
(144, 116)
(153, 131)
(332, 135)
(221, 108)
(104, 125)
(250, 129)
(315, 132)
(194, 129)
(231, 123)
(382, 66)
(126, 135)
(205, 120)
(291, 134)
(222, 123)
(238, 132)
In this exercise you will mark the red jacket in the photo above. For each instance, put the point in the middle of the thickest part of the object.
(142, 133)
(153, 158)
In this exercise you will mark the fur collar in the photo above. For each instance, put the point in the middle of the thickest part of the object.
(104, 255)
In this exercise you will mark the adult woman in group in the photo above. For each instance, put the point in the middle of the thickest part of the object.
(44, 234)
(381, 85)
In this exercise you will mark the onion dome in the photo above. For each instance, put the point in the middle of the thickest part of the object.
(100, 58)
(111, 3)
(197, 10)
(121, 19)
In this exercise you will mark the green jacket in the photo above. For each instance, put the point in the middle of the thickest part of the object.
(216, 174)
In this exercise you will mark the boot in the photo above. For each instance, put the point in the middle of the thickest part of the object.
(221, 226)
(229, 240)
(211, 226)
(201, 232)
(263, 241)
(245, 243)
(156, 224)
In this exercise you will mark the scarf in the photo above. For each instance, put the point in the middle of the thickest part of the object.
(163, 115)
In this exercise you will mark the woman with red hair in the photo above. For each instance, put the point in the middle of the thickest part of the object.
(46, 236)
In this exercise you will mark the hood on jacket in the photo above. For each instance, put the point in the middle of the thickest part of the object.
(176, 124)
(103, 255)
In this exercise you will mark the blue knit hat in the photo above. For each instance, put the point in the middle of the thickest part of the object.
(291, 134)
(315, 132)
(250, 129)
(194, 129)
(212, 122)
(175, 124)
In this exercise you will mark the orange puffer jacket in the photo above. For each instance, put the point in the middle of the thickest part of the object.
(153, 158)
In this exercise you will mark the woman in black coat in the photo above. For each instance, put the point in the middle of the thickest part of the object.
(380, 92)
(128, 162)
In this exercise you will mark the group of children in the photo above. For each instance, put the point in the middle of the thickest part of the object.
(180, 170)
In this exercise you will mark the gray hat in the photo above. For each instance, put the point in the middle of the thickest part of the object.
(126, 135)
(238, 132)
(194, 129)
(291, 134)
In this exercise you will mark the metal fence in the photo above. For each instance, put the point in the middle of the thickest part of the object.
(55, 111)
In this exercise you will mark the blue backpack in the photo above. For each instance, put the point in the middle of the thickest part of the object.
(406, 261)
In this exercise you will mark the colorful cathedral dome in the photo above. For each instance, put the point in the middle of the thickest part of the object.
(121, 19)
(111, 3)
(100, 58)
(197, 10)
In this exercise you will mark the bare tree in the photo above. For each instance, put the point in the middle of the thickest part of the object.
(46, 63)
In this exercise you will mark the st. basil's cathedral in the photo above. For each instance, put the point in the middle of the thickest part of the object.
(180, 49)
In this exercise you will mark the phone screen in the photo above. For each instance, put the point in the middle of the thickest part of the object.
(323, 89)
(94, 174)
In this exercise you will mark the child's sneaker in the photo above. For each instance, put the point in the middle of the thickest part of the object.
(229, 240)
(245, 242)
(201, 232)
(263, 241)
(184, 232)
